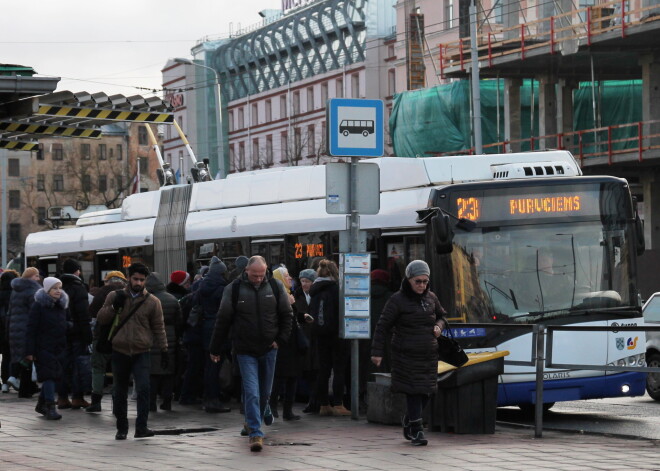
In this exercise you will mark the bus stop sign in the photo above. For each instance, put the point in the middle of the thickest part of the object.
(355, 128)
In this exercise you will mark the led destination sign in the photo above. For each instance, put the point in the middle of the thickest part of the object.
(502, 207)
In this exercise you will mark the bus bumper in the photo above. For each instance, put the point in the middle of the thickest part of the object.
(558, 390)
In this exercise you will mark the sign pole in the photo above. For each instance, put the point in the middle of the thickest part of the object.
(354, 234)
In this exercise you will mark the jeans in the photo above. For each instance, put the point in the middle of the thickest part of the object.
(257, 374)
(48, 391)
(122, 367)
(415, 404)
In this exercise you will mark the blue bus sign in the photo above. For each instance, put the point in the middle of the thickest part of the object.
(355, 127)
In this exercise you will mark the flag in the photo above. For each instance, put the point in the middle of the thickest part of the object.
(135, 185)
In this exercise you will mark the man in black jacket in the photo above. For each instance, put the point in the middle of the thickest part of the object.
(259, 319)
(77, 376)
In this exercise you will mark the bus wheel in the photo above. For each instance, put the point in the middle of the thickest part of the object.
(345, 133)
(365, 133)
(529, 409)
(653, 379)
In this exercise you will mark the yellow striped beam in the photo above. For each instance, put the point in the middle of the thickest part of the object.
(18, 145)
(103, 114)
(66, 131)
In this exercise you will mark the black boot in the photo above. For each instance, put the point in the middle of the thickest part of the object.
(166, 404)
(287, 411)
(273, 407)
(95, 406)
(41, 406)
(406, 428)
(51, 412)
(417, 433)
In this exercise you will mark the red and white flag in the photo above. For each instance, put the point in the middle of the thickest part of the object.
(135, 185)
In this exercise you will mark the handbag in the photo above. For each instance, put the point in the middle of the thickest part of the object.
(302, 342)
(108, 331)
(450, 351)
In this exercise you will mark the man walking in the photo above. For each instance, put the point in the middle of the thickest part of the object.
(139, 326)
(258, 313)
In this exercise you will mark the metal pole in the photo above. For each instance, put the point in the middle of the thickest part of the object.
(3, 170)
(540, 360)
(354, 233)
(222, 164)
(474, 77)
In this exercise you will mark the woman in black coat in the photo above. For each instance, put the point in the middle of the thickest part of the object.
(5, 293)
(414, 318)
(46, 342)
(310, 366)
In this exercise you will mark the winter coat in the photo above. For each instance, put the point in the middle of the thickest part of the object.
(99, 298)
(410, 318)
(81, 332)
(324, 307)
(257, 320)
(210, 294)
(22, 298)
(309, 358)
(173, 322)
(290, 358)
(46, 335)
(5, 295)
(380, 294)
(143, 330)
(176, 290)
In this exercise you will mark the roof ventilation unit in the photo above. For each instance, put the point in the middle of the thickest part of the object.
(533, 170)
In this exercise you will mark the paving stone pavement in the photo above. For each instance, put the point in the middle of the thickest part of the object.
(83, 441)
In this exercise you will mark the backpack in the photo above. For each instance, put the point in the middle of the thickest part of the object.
(236, 287)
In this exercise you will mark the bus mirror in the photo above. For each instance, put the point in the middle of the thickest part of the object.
(442, 233)
(640, 244)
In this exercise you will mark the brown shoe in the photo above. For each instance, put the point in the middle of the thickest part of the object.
(326, 411)
(340, 411)
(63, 403)
(79, 403)
(256, 443)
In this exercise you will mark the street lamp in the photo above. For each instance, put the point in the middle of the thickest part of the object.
(221, 136)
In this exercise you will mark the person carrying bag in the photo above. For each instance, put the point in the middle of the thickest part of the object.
(107, 332)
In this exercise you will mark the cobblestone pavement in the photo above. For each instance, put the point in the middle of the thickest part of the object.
(83, 441)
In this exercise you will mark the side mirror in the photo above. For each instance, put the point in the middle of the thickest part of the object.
(443, 235)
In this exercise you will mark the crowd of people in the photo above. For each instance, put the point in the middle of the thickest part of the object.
(253, 333)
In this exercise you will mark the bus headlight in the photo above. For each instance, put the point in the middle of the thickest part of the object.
(625, 388)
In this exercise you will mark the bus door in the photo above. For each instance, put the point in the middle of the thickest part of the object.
(400, 248)
(105, 262)
(270, 249)
(47, 265)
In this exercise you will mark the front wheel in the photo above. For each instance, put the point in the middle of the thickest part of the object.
(345, 133)
(653, 379)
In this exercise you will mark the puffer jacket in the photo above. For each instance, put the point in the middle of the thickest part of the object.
(410, 318)
(324, 307)
(46, 335)
(143, 330)
(173, 325)
(22, 298)
(257, 321)
(78, 309)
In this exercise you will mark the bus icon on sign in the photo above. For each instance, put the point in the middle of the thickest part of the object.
(356, 126)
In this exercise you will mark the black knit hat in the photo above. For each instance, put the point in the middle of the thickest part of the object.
(70, 266)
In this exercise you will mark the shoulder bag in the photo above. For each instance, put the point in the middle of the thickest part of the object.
(107, 332)
(449, 350)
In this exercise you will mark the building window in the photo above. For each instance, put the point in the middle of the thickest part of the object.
(339, 91)
(297, 144)
(86, 183)
(111, 154)
(180, 118)
(269, 149)
(14, 199)
(232, 158)
(254, 119)
(284, 147)
(283, 107)
(310, 99)
(241, 119)
(255, 153)
(230, 118)
(120, 183)
(390, 51)
(103, 152)
(144, 165)
(355, 86)
(241, 156)
(143, 140)
(41, 215)
(323, 137)
(311, 141)
(103, 183)
(391, 82)
(58, 182)
(449, 13)
(324, 94)
(120, 152)
(269, 110)
(85, 151)
(15, 232)
(41, 182)
(58, 152)
(14, 169)
(40, 152)
(296, 102)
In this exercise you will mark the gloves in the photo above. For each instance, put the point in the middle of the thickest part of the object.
(164, 360)
(120, 299)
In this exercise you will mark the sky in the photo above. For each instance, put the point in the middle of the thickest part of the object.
(117, 46)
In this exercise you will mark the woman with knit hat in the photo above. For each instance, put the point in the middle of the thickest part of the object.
(310, 366)
(413, 318)
(46, 343)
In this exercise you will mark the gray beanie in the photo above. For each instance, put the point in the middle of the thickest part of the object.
(217, 266)
(308, 273)
(417, 268)
(241, 261)
(203, 270)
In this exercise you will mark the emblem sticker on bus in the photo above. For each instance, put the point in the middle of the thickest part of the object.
(468, 332)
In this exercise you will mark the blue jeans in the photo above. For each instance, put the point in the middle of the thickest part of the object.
(257, 374)
(122, 367)
(48, 391)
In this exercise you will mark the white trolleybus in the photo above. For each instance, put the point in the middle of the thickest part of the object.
(550, 246)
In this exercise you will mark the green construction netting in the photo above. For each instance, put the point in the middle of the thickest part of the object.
(436, 120)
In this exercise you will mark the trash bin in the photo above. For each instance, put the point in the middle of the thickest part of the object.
(384, 406)
(466, 400)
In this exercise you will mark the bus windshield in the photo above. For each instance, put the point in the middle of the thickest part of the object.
(532, 272)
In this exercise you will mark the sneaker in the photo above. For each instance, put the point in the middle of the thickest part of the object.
(79, 403)
(419, 439)
(268, 417)
(406, 428)
(325, 411)
(5, 388)
(340, 411)
(14, 383)
(63, 403)
(256, 443)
